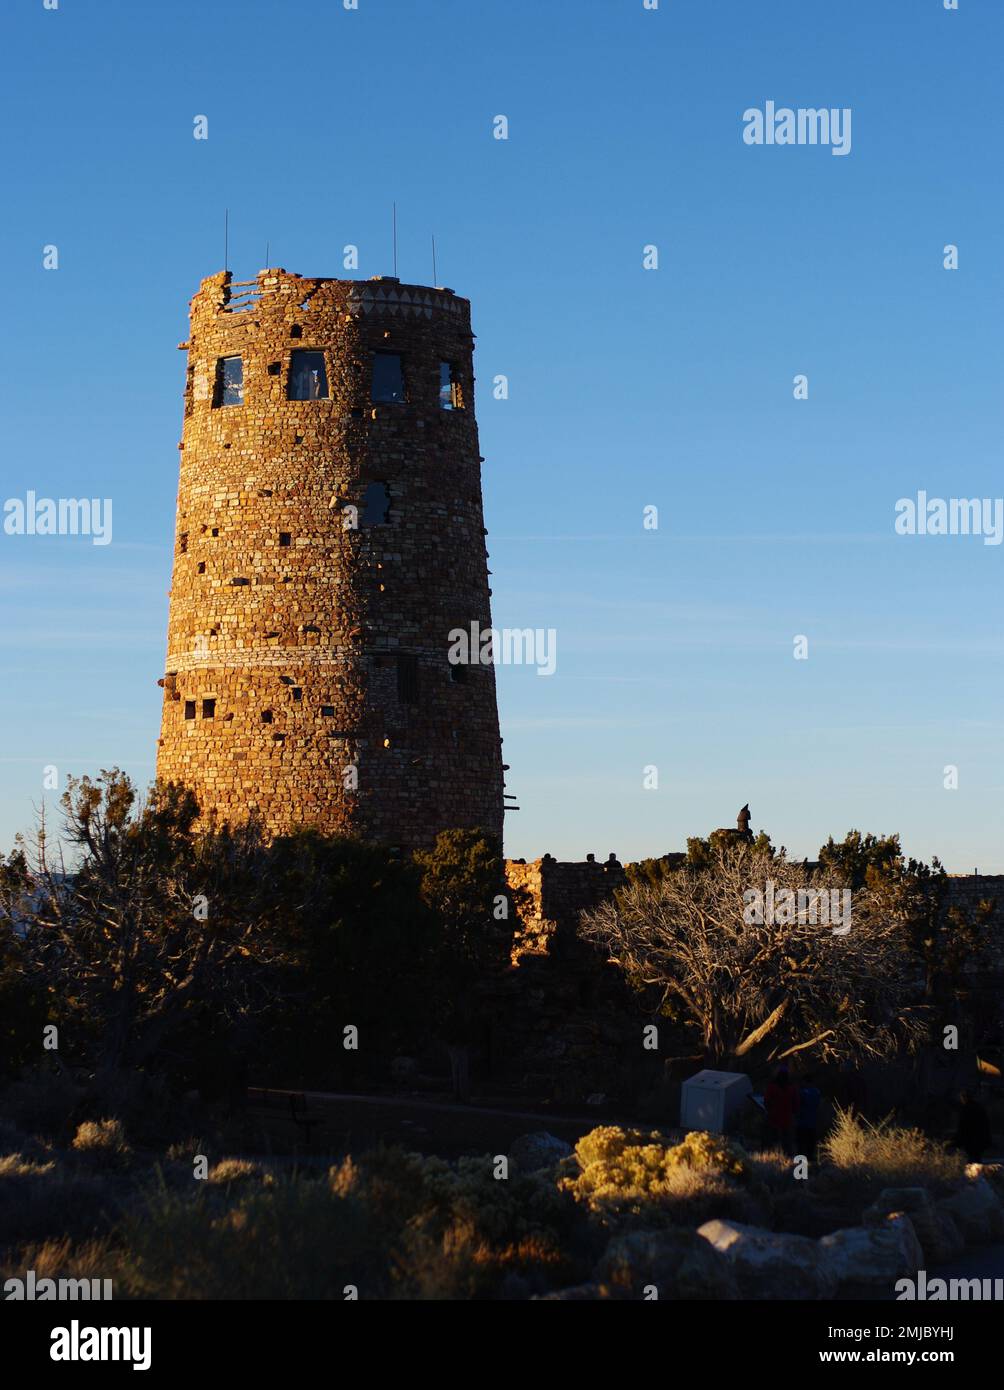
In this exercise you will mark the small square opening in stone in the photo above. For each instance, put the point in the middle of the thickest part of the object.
(327, 711)
(189, 709)
(229, 381)
(308, 379)
(297, 693)
(266, 716)
(388, 379)
(209, 709)
(285, 538)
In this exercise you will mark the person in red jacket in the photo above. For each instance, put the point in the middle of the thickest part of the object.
(781, 1103)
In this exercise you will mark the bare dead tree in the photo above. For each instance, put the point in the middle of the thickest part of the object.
(779, 986)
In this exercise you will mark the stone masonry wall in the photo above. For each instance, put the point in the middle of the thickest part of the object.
(286, 624)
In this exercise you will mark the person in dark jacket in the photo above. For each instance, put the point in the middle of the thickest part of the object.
(810, 1097)
(973, 1135)
(781, 1102)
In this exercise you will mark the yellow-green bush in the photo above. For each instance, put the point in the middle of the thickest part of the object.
(626, 1171)
(703, 1150)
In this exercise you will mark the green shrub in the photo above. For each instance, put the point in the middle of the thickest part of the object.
(296, 1239)
(42, 1201)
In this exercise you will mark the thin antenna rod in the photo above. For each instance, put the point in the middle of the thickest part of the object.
(226, 238)
(395, 237)
(434, 280)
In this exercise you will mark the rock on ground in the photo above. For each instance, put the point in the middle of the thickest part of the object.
(977, 1212)
(676, 1262)
(770, 1264)
(866, 1261)
(532, 1151)
(936, 1229)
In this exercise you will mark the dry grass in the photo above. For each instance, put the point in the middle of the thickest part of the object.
(889, 1154)
(104, 1143)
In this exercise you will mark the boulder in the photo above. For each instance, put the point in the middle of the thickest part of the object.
(532, 1151)
(977, 1211)
(770, 1264)
(866, 1261)
(677, 1262)
(939, 1235)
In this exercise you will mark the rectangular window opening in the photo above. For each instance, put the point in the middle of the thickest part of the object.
(209, 709)
(189, 709)
(285, 538)
(388, 380)
(450, 396)
(376, 505)
(308, 379)
(407, 679)
(229, 381)
(327, 711)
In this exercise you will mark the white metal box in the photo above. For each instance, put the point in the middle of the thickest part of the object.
(711, 1099)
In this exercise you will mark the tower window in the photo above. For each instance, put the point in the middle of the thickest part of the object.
(266, 716)
(450, 397)
(327, 711)
(189, 709)
(209, 709)
(308, 380)
(285, 538)
(376, 505)
(388, 382)
(407, 679)
(297, 693)
(229, 381)
(202, 567)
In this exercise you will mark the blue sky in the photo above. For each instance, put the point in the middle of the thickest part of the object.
(628, 387)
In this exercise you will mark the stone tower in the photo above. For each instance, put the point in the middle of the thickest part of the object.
(330, 535)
